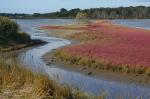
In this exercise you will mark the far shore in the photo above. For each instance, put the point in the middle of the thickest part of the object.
(75, 18)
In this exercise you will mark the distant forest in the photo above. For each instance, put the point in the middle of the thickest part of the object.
(139, 12)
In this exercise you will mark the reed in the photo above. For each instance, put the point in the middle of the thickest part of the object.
(18, 82)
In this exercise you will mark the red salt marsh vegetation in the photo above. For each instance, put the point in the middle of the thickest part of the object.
(108, 46)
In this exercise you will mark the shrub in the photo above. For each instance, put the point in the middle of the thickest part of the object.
(9, 33)
(20, 37)
(8, 27)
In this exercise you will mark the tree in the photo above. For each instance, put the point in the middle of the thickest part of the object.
(81, 16)
(63, 10)
(93, 13)
(36, 15)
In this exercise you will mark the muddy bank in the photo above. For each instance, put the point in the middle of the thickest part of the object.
(17, 47)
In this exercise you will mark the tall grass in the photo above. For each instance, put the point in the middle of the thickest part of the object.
(61, 55)
(18, 82)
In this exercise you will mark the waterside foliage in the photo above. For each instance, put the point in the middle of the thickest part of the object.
(17, 82)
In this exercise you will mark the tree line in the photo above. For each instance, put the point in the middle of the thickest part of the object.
(139, 12)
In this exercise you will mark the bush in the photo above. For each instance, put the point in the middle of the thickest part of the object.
(8, 27)
(20, 37)
(9, 33)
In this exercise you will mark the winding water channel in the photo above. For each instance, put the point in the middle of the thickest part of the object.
(89, 84)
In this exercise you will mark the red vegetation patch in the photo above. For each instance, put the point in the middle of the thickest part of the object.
(113, 43)
(120, 45)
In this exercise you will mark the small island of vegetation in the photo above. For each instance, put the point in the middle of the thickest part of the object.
(105, 46)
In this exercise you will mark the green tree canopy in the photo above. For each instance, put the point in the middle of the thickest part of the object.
(63, 10)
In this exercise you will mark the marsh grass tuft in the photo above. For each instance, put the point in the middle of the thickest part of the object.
(17, 82)
(63, 56)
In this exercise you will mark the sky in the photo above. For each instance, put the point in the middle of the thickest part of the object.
(45, 6)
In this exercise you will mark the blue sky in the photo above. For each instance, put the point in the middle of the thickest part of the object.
(42, 6)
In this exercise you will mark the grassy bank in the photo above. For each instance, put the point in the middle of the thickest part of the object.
(19, 46)
(106, 46)
(11, 38)
(61, 56)
(17, 82)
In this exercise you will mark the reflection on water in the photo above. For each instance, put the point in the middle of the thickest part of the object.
(32, 58)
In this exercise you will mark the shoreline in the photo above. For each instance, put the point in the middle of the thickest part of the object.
(17, 47)
(120, 77)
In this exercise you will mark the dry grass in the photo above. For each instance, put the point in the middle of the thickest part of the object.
(61, 33)
(62, 56)
(17, 82)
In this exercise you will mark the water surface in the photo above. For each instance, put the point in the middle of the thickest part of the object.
(135, 23)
